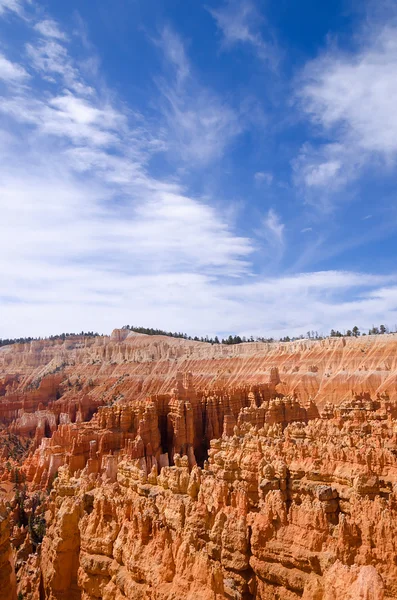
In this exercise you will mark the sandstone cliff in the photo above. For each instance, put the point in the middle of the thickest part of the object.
(326, 370)
(168, 469)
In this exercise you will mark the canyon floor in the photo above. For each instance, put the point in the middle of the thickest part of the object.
(153, 468)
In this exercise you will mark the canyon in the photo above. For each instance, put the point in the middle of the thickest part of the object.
(155, 468)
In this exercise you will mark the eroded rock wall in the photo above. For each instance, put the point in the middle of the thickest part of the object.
(308, 511)
(8, 588)
(168, 470)
(135, 366)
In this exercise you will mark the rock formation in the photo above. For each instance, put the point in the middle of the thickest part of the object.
(7, 574)
(139, 467)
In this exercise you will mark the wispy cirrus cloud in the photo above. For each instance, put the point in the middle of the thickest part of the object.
(11, 72)
(274, 225)
(263, 177)
(94, 239)
(174, 50)
(87, 203)
(49, 57)
(200, 124)
(50, 29)
(11, 5)
(273, 231)
(239, 22)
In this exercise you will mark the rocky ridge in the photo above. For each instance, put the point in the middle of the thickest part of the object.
(171, 469)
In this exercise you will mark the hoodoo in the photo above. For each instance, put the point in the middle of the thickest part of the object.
(139, 467)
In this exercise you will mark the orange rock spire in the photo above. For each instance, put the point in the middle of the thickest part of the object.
(171, 469)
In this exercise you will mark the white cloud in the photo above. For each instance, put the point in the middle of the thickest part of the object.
(274, 226)
(264, 177)
(357, 92)
(49, 28)
(101, 298)
(321, 174)
(50, 59)
(11, 5)
(175, 53)
(350, 97)
(200, 124)
(306, 229)
(239, 22)
(87, 223)
(93, 240)
(66, 116)
(324, 170)
(11, 72)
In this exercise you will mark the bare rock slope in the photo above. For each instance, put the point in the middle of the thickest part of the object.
(145, 467)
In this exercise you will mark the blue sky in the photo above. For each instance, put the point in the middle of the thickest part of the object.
(209, 167)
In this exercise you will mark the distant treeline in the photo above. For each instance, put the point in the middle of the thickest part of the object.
(230, 340)
(355, 332)
(59, 336)
(236, 339)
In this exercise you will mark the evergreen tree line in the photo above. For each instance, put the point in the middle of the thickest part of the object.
(355, 332)
(230, 340)
(59, 336)
(236, 339)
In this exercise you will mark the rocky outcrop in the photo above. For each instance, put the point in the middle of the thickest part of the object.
(172, 470)
(305, 511)
(7, 574)
(159, 428)
(134, 366)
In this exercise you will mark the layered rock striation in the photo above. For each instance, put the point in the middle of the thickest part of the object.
(140, 467)
(141, 365)
(296, 511)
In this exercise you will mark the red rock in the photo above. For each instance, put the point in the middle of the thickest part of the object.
(181, 470)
